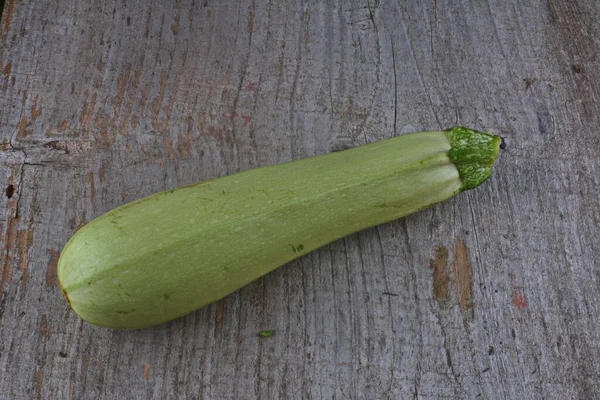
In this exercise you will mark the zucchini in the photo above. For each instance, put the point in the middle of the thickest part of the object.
(166, 255)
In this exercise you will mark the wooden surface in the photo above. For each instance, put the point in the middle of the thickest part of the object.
(494, 294)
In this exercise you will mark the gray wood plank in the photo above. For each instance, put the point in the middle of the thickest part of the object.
(492, 294)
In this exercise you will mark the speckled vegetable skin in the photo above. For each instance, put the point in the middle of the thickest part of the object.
(166, 255)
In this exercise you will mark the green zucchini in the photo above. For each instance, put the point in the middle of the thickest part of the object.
(166, 255)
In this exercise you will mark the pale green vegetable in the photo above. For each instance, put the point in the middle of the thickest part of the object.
(169, 254)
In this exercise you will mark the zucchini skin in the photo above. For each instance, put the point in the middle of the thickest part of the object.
(166, 255)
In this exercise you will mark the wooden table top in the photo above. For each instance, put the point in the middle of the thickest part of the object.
(493, 294)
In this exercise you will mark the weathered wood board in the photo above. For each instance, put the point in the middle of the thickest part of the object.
(494, 294)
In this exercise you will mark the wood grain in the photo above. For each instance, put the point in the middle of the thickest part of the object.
(105, 102)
